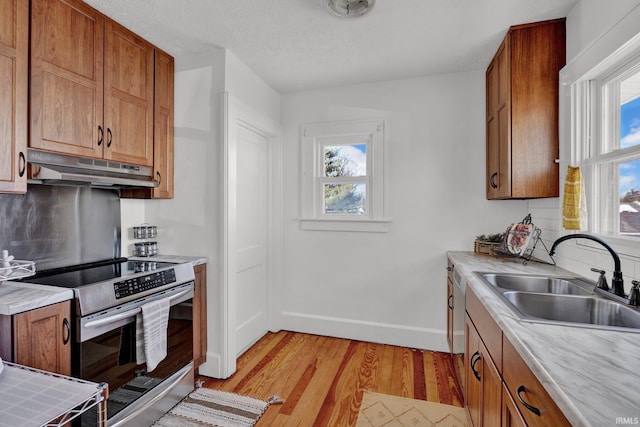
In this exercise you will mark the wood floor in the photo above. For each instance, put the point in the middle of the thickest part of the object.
(322, 379)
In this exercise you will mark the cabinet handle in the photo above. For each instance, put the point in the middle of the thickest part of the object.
(159, 177)
(474, 359)
(23, 161)
(101, 138)
(530, 407)
(492, 180)
(110, 137)
(449, 269)
(450, 302)
(67, 328)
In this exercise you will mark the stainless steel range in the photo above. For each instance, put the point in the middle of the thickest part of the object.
(67, 231)
(109, 297)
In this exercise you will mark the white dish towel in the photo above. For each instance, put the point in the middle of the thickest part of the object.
(151, 333)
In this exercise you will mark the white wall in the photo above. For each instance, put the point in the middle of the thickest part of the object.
(190, 223)
(383, 287)
(390, 287)
(587, 22)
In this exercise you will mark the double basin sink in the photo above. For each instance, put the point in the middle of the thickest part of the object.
(569, 301)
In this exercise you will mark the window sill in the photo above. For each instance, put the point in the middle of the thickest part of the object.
(357, 225)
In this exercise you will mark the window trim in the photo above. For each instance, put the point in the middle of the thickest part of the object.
(314, 137)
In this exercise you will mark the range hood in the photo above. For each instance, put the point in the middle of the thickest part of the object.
(51, 168)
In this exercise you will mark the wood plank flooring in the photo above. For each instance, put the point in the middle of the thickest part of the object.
(322, 379)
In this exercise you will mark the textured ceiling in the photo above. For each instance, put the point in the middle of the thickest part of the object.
(295, 44)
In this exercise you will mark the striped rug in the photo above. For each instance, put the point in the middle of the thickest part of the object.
(207, 407)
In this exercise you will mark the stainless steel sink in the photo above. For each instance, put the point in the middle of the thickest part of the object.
(568, 301)
(540, 284)
(574, 309)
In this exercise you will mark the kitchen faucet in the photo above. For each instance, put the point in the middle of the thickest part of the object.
(617, 284)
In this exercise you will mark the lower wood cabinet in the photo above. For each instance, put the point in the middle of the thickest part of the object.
(39, 338)
(450, 306)
(500, 389)
(200, 315)
(483, 381)
(510, 414)
(529, 396)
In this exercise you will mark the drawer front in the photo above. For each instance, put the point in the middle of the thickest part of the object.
(530, 397)
(487, 327)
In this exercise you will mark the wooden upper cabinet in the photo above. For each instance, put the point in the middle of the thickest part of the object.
(128, 96)
(91, 85)
(163, 126)
(522, 112)
(66, 98)
(14, 60)
(162, 132)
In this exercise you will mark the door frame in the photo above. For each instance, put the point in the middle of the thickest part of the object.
(235, 115)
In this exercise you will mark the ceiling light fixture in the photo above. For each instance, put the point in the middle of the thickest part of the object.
(349, 8)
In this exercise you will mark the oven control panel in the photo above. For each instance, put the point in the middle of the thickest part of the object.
(144, 283)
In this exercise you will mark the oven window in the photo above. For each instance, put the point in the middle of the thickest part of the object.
(111, 358)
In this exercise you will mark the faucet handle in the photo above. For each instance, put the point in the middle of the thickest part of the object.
(634, 294)
(602, 280)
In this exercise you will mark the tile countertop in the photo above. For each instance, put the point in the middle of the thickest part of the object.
(591, 374)
(20, 297)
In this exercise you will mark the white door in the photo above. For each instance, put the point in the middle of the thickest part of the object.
(252, 214)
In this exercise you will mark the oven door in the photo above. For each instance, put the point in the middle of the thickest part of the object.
(106, 352)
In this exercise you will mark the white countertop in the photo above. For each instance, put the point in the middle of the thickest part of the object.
(18, 297)
(195, 260)
(592, 375)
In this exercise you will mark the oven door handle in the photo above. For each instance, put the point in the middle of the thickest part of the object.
(168, 389)
(129, 313)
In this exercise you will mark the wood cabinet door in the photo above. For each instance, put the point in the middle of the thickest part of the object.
(14, 60)
(538, 54)
(491, 390)
(66, 98)
(163, 126)
(510, 415)
(43, 338)
(200, 315)
(472, 378)
(535, 405)
(128, 96)
(498, 125)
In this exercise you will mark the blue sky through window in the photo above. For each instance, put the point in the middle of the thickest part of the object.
(630, 136)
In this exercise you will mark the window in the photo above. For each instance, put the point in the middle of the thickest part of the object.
(611, 160)
(602, 120)
(342, 176)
